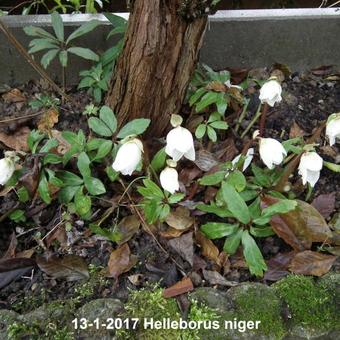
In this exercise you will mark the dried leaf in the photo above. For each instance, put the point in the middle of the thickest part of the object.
(278, 266)
(325, 204)
(121, 261)
(10, 253)
(181, 287)
(63, 146)
(31, 178)
(296, 131)
(26, 253)
(216, 86)
(311, 263)
(180, 219)
(184, 246)
(59, 234)
(48, 120)
(136, 279)
(13, 269)
(225, 151)
(127, 227)
(322, 70)
(16, 141)
(208, 248)
(205, 160)
(216, 278)
(70, 267)
(14, 96)
(172, 232)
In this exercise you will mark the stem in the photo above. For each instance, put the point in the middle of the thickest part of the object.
(63, 77)
(263, 119)
(254, 120)
(242, 115)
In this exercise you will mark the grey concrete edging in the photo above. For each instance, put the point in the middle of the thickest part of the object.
(299, 38)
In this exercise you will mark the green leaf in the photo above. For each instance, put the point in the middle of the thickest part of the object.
(103, 150)
(43, 189)
(208, 99)
(260, 176)
(110, 235)
(83, 164)
(175, 198)
(23, 195)
(99, 127)
(58, 26)
(48, 57)
(94, 186)
(235, 203)
(66, 194)
(164, 211)
(248, 195)
(34, 31)
(253, 255)
(200, 131)
(135, 127)
(197, 95)
(237, 180)
(158, 160)
(83, 29)
(213, 179)
(94, 144)
(52, 158)
(255, 208)
(214, 209)
(261, 231)
(115, 19)
(154, 188)
(281, 207)
(42, 45)
(109, 118)
(17, 215)
(50, 144)
(69, 178)
(117, 30)
(221, 125)
(63, 58)
(232, 242)
(221, 104)
(82, 202)
(112, 174)
(211, 134)
(85, 53)
(152, 210)
(218, 230)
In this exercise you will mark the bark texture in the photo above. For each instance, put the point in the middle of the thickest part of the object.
(160, 53)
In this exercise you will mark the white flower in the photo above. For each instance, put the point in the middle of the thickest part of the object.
(271, 152)
(179, 143)
(128, 156)
(247, 160)
(333, 128)
(310, 167)
(270, 92)
(169, 179)
(7, 167)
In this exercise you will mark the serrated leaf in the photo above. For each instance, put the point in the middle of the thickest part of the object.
(94, 186)
(215, 230)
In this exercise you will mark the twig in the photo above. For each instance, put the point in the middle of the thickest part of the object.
(31, 61)
(22, 117)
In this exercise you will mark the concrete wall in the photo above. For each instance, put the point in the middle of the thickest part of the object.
(300, 38)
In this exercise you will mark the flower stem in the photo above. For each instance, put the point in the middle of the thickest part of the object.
(242, 115)
(254, 120)
(263, 119)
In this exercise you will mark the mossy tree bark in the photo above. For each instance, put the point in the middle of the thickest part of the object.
(159, 56)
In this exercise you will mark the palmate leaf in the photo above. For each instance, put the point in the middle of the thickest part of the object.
(34, 31)
(48, 57)
(58, 26)
(85, 53)
(83, 29)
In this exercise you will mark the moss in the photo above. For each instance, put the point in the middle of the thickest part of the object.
(259, 303)
(149, 303)
(311, 305)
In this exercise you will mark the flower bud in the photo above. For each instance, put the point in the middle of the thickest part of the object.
(309, 168)
(270, 92)
(128, 157)
(169, 180)
(271, 152)
(333, 128)
(7, 167)
(179, 143)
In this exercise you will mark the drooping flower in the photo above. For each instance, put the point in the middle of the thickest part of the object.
(333, 128)
(179, 142)
(7, 167)
(128, 156)
(247, 159)
(309, 168)
(169, 179)
(270, 92)
(271, 152)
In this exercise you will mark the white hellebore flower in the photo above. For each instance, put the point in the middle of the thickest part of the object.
(179, 142)
(333, 128)
(247, 160)
(271, 152)
(169, 179)
(128, 156)
(270, 92)
(7, 167)
(310, 167)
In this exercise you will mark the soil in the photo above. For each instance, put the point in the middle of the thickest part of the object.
(308, 100)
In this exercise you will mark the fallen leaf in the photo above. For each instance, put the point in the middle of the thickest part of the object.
(205, 160)
(136, 279)
(184, 246)
(10, 253)
(216, 86)
(30, 178)
(172, 232)
(14, 96)
(226, 150)
(180, 219)
(323, 70)
(127, 227)
(325, 204)
(16, 141)
(187, 175)
(208, 248)
(296, 131)
(311, 263)
(121, 261)
(278, 266)
(181, 287)
(26, 253)
(13, 269)
(216, 278)
(64, 145)
(48, 120)
(70, 267)
(59, 234)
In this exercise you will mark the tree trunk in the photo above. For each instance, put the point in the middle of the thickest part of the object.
(159, 56)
